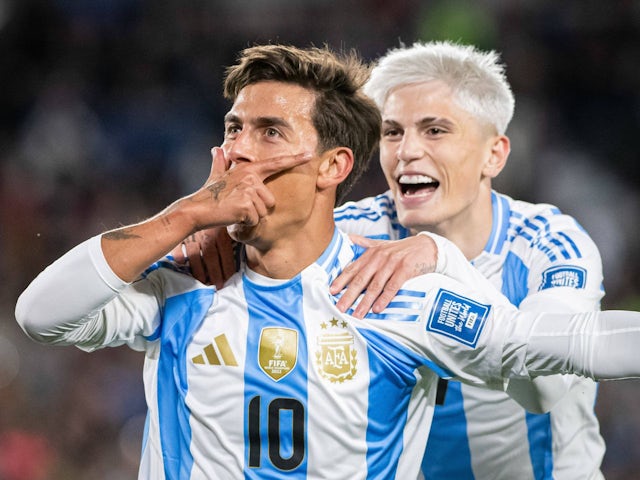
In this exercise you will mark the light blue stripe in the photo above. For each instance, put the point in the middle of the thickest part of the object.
(379, 203)
(361, 215)
(561, 247)
(565, 244)
(167, 263)
(570, 241)
(396, 317)
(540, 445)
(279, 306)
(154, 335)
(410, 293)
(548, 252)
(407, 305)
(382, 236)
(328, 259)
(381, 206)
(448, 455)
(514, 287)
(391, 368)
(514, 279)
(500, 226)
(534, 228)
(183, 314)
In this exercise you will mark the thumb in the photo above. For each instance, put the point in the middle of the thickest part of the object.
(219, 163)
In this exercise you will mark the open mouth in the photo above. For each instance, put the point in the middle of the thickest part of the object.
(417, 185)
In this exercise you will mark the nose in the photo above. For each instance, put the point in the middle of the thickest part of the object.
(240, 148)
(409, 148)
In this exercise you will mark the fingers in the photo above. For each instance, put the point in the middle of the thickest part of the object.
(354, 284)
(270, 166)
(342, 280)
(227, 261)
(368, 275)
(193, 253)
(239, 195)
(374, 282)
(266, 200)
(219, 163)
(364, 241)
(379, 273)
(179, 254)
(263, 168)
(217, 254)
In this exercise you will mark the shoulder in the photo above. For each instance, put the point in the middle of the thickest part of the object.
(544, 228)
(169, 279)
(554, 249)
(370, 207)
(373, 217)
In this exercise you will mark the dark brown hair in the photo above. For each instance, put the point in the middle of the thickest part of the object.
(343, 116)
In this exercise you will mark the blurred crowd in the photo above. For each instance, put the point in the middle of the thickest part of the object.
(108, 110)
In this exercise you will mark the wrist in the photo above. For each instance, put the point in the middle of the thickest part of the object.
(437, 244)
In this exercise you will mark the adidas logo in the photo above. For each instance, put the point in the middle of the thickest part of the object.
(217, 353)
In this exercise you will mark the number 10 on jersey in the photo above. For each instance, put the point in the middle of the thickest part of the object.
(284, 419)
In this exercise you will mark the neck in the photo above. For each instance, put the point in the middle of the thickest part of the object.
(289, 254)
(470, 229)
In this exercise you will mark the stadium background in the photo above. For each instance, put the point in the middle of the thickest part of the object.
(108, 109)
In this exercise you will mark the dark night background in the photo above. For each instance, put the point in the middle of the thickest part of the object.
(108, 110)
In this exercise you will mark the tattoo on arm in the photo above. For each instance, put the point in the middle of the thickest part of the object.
(165, 221)
(216, 188)
(120, 235)
(422, 268)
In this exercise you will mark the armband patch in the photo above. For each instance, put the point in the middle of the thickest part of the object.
(458, 317)
(564, 276)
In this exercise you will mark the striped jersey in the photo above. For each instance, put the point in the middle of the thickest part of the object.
(541, 260)
(267, 379)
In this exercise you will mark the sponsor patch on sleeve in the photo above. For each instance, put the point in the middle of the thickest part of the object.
(564, 276)
(458, 317)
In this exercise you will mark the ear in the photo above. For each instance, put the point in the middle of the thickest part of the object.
(500, 148)
(335, 166)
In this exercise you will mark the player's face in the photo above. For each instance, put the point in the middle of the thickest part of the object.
(432, 153)
(271, 119)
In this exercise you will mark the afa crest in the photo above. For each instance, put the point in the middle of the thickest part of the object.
(336, 356)
(278, 351)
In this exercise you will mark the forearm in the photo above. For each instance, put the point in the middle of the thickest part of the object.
(130, 250)
(546, 391)
(73, 288)
(599, 345)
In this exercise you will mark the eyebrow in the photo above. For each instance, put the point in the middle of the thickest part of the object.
(423, 122)
(426, 121)
(259, 122)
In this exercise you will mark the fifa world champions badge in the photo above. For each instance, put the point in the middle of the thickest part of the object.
(278, 351)
(336, 357)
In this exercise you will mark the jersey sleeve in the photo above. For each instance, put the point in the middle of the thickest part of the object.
(464, 335)
(461, 330)
(372, 217)
(78, 300)
(565, 275)
(597, 345)
(565, 269)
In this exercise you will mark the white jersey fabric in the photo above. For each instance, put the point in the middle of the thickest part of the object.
(541, 260)
(266, 379)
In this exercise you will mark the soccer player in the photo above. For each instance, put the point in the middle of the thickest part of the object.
(266, 377)
(445, 109)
